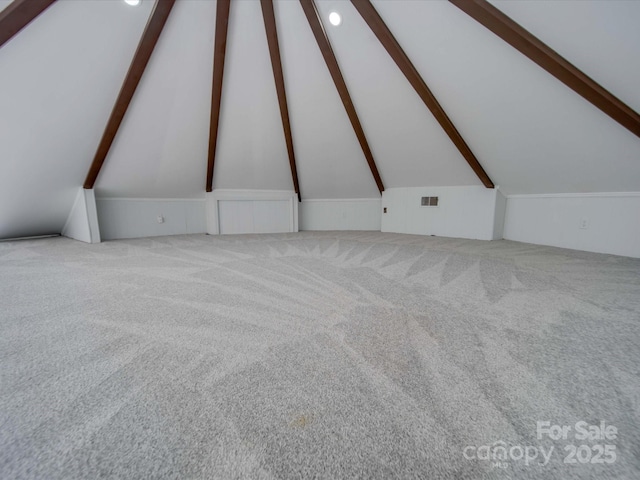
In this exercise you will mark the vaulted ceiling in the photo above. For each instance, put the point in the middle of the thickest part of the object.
(60, 77)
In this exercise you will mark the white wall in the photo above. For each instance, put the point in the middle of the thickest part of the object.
(462, 212)
(82, 222)
(60, 77)
(251, 211)
(254, 216)
(498, 218)
(612, 221)
(138, 217)
(340, 214)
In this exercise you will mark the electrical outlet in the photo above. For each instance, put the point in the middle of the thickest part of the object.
(160, 218)
(584, 223)
(385, 210)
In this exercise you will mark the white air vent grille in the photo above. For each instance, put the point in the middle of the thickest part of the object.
(429, 201)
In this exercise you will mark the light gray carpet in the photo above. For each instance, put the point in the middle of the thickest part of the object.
(313, 355)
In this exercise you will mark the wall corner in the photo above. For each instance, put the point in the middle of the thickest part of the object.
(82, 222)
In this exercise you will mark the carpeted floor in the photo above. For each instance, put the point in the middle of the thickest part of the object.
(316, 355)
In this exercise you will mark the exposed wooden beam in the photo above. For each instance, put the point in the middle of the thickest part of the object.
(519, 38)
(276, 63)
(18, 15)
(380, 29)
(152, 31)
(313, 17)
(219, 51)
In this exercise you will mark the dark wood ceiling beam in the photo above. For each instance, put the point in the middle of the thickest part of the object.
(519, 38)
(18, 15)
(152, 31)
(380, 29)
(315, 22)
(276, 63)
(219, 52)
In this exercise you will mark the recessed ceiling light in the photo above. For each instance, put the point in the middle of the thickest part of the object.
(335, 18)
(133, 3)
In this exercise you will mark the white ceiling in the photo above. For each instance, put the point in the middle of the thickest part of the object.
(161, 147)
(62, 73)
(58, 82)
